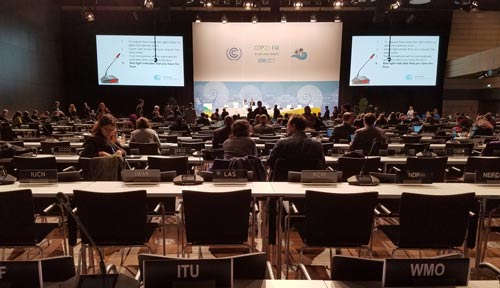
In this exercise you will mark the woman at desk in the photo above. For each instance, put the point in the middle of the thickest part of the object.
(103, 141)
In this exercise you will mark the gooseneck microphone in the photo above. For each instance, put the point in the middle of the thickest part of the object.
(361, 179)
(64, 202)
(361, 172)
(110, 78)
(362, 79)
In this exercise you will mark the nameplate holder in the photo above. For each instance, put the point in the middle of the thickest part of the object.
(21, 274)
(40, 176)
(230, 175)
(141, 175)
(487, 177)
(414, 177)
(318, 176)
(179, 151)
(425, 272)
(64, 150)
(170, 273)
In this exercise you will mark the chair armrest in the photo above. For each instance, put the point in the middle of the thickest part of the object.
(270, 272)
(111, 269)
(383, 209)
(304, 272)
(49, 208)
(490, 267)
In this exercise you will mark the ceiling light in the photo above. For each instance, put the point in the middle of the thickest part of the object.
(298, 4)
(488, 85)
(337, 19)
(89, 16)
(255, 19)
(338, 3)
(209, 3)
(395, 5)
(224, 19)
(314, 19)
(248, 5)
(283, 19)
(197, 19)
(148, 4)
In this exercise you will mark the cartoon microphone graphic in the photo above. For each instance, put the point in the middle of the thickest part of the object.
(362, 79)
(110, 78)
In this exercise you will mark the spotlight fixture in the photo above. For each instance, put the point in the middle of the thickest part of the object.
(395, 5)
(338, 3)
(298, 4)
(209, 3)
(337, 19)
(197, 19)
(255, 19)
(223, 19)
(474, 6)
(248, 5)
(283, 19)
(149, 4)
(419, 2)
(314, 19)
(488, 85)
(89, 16)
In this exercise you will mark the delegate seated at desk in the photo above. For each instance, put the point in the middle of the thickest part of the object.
(103, 141)
(144, 133)
(363, 137)
(297, 146)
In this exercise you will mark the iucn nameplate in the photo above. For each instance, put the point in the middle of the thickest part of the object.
(43, 176)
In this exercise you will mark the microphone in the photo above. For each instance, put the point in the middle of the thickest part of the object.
(110, 78)
(361, 179)
(362, 79)
(64, 202)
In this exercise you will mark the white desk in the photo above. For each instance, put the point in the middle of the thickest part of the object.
(398, 160)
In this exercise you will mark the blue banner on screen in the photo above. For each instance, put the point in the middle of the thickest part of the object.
(394, 60)
(140, 60)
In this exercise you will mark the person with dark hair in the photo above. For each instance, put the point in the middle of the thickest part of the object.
(326, 114)
(260, 109)
(363, 137)
(139, 109)
(104, 140)
(86, 111)
(4, 115)
(203, 120)
(179, 125)
(144, 133)
(224, 114)
(34, 115)
(263, 127)
(239, 144)
(250, 115)
(344, 130)
(190, 114)
(297, 146)
(222, 134)
(310, 117)
(17, 119)
(276, 112)
(102, 110)
(26, 117)
(215, 116)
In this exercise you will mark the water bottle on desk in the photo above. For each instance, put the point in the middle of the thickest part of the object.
(454, 133)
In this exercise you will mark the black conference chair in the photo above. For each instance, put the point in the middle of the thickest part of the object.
(435, 164)
(46, 146)
(179, 164)
(345, 268)
(439, 222)
(283, 166)
(58, 269)
(145, 148)
(252, 266)
(410, 138)
(340, 220)
(326, 147)
(482, 163)
(268, 146)
(206, 217)
(492, 148)
(17, 221)
(352, 166)
(196, 146)
(411, 149)
(116, 219)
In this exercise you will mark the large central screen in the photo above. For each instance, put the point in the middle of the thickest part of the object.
(290, 65)
(140, 60)
(394, 60)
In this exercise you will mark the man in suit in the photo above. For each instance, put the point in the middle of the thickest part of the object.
(222, 134)
(260, 109)
(297, 147)
(364, 137)
(344, 130)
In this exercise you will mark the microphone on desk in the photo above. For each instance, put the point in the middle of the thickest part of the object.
(64, 202)
(362, 79)
(361, 179)
(110, 78)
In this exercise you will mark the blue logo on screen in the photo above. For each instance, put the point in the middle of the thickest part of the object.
(300, 54)
(157, 77)
(409, 77)
(234, 53)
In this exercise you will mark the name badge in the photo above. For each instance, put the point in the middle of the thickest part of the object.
(414, 177)
(230, 175)
(48, 176)
(64, 150)
(487, 177)
(318, 176)
(141, 175)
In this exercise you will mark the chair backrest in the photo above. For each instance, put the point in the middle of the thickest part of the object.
(326, 146)
(169, 163)
(58, 269)
(208, 215)
(17, 218)
(457, 148)
(434, 221)
(435, 164)
(482, 163)
(416, 147)
(339, 219)
(345, 268)
(492, 148)
(145, 148)
(197, 146)
(283, 166)
(352, 166)
(6, 132)
(410, 138)
(39, 162)
(46, 146)
(268, 146)
(245, 267)
(221, 164)
(114, 218)
(101, 168)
